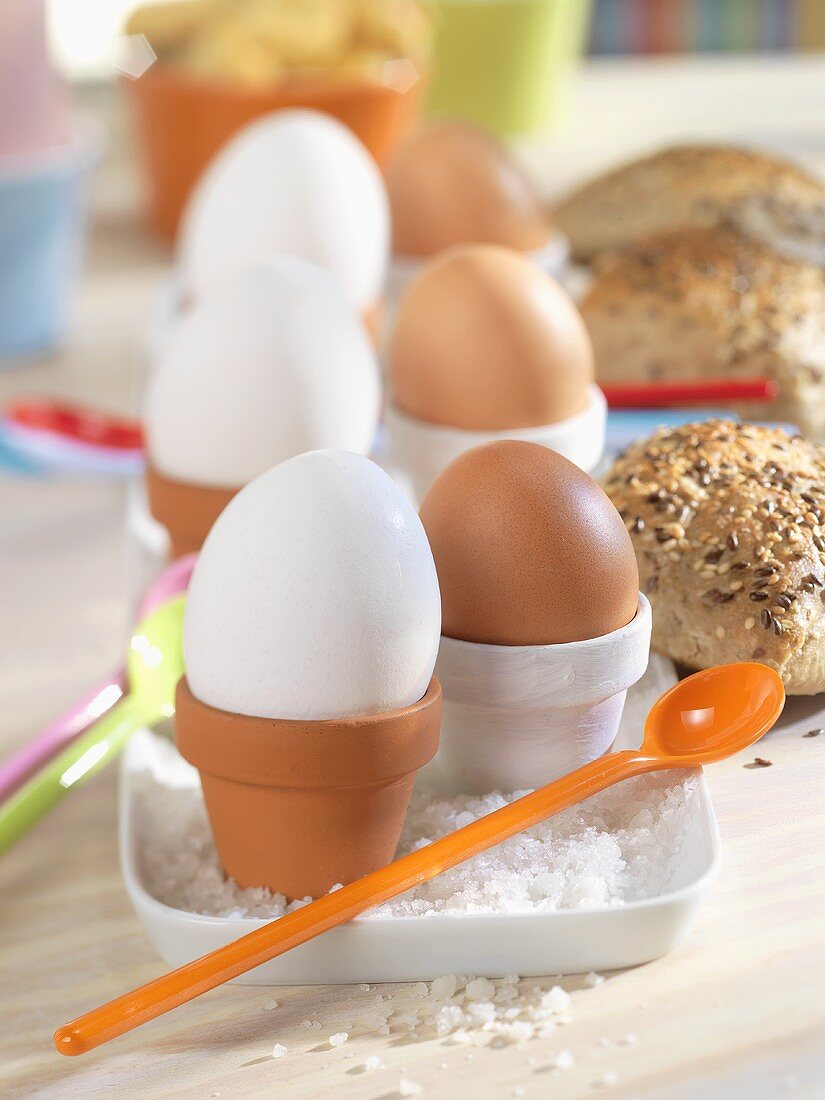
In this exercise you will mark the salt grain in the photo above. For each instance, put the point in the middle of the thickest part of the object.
(520, 1031)
(338, 1039)
(556, 1000)
(563, 1060)
(279, 1050)
(372, 1063)
(448, 1019)
(406, 1087)
(592, 979)
(480, 989)
(444, 987)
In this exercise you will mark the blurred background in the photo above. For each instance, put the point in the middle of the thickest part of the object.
(83, 31)
(109, 112)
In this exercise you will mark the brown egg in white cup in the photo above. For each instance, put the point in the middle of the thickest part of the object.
(544, 628)
(487, 347)
(452, 183)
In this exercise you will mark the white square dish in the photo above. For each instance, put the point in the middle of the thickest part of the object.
(384, 949)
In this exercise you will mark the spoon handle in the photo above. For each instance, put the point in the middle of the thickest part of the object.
(46, 745)
(189, 981)
(85, 756)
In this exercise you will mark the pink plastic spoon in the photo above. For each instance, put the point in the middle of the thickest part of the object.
(48, 743)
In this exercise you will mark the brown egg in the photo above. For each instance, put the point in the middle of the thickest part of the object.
(451, 183)
(484, 339)
(528, 549)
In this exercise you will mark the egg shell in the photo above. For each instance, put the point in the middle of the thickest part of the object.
(485, 340)
(292, 182)
(451, 183)
(529, 550)
(314, 597)
(271, 365)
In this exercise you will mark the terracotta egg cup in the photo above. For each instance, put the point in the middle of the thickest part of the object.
(185, 509)
(300, 806)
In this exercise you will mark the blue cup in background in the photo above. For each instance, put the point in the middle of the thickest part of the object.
(44, 206)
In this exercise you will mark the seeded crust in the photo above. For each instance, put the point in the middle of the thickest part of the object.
(728, 524)
(696, 187)
(710, 303)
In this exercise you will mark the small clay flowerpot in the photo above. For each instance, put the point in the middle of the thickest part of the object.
(299, 806)
(183, 119)
(185, 509)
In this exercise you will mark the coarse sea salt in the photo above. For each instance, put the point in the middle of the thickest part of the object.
(621, 845)
(406, 1087)
(517, 1012)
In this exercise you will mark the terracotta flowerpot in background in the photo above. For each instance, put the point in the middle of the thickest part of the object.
(186, 510)
(182, 120)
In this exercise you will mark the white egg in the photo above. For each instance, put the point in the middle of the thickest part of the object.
(315, 596)
(271, 365)
(295, 182)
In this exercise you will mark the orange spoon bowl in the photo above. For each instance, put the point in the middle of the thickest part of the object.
(713, 714)
(704, 718)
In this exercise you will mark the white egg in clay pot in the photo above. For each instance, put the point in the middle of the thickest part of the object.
(272, 364)
(295, 182)
(315, 596)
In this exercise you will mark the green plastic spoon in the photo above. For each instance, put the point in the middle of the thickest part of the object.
(154, 666)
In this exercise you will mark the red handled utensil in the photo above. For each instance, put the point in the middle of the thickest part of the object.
(659, 395)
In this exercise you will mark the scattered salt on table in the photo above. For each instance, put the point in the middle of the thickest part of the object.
(406, 1087)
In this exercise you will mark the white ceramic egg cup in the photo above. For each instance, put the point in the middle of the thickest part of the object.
(517, 717)
(552, 258)
(420, 451)
(386, 949)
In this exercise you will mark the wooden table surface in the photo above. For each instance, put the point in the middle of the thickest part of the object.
(738, 1011)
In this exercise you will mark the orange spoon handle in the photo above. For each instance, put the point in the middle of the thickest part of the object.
(189, 981)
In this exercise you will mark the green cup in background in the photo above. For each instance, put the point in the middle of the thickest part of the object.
(505, 64)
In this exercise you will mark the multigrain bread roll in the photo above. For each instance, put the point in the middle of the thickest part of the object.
(709, 303)
(728, 523)
(696, 187)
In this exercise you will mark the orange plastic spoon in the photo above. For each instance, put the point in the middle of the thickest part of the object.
(707, 717)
